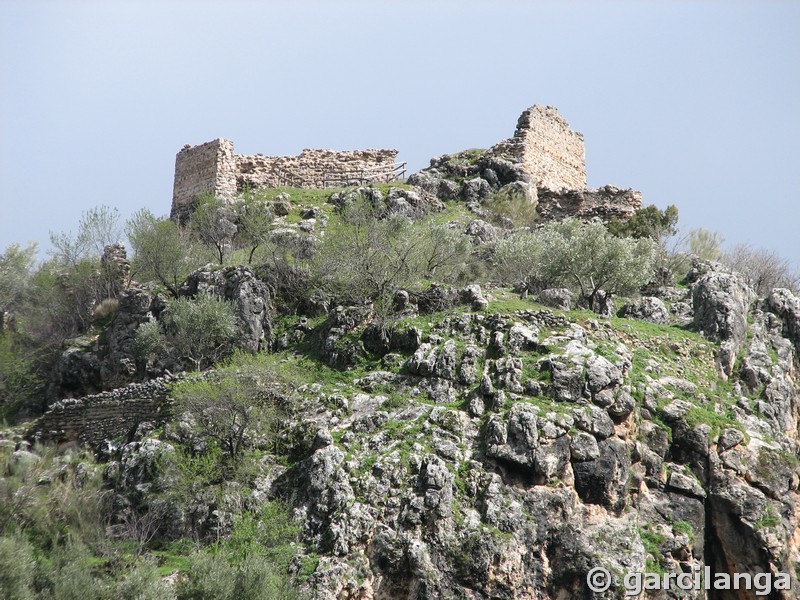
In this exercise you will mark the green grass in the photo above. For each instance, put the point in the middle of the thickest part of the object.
(652, 541)
(174, 556)
(684, 527)
(769, 519)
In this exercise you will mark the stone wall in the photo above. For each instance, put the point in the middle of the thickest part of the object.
(206, 168)
(106, 416)
(315, 168)
(605, 203)
(213, 167)
(547, 148)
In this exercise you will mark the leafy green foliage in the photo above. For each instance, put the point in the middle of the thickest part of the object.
(200, 331)
(369, 259)
(444, 252)
(16, 270)
(227, 411)
(648, 222)
(163, 251)
(762, 269)
(511, 205)
(18, 377)
(582, 256)
(214, 221)
(705, 244)
(17, 568)
(98, 228)
(254, 221)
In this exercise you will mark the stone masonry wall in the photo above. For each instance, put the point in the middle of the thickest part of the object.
(106, 416)
(213, 167)
(209, 167)
(314, 168)
(547, 148)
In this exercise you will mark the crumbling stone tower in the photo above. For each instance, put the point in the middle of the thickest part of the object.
(548, 149)
(206, 168)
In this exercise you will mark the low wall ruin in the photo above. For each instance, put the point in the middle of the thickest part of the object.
(214, 168)
(113, 415)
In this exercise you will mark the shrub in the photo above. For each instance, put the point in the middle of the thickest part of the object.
(143, 583)
(230, 410)
(18, 378)
(68, 576)
(214, 221)
(200, 331)
(762, 269)
(367, 259)
(443, 252)
(105, 311)
(17, 568)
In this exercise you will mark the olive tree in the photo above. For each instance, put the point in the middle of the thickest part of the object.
(239, 407)
(367, 258)
(253, 224)
(444, 252)
(585, 257)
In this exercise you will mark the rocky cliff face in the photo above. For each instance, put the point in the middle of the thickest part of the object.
(500, 451)
(108, 360)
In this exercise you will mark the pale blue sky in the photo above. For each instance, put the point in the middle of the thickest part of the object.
(693, 103)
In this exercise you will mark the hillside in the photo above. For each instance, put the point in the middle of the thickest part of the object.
(462, 385)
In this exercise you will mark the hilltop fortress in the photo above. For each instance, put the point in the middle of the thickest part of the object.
(544, 154)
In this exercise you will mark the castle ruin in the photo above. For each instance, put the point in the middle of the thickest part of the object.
(214, 168)
(550, 154)
(546, 147)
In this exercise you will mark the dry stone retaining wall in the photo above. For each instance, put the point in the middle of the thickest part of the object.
(106, 416)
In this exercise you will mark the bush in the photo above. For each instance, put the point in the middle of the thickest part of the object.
(105, 311)
(367, 259)
(214, 221)
(443, 252)
(200, 331)
(213, 577)
(762, 269)
(230, 410)
(16, 271)
(208, 577)
(68, 576)
(18, 378)
(144, 583)
(511, 205)
(251, 565)
(17, 568)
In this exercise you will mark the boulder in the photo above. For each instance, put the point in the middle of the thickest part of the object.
(560, 298)
(250, 297)
(647, 308)
(721, 301)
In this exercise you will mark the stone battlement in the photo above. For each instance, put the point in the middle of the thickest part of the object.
(214, 168)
